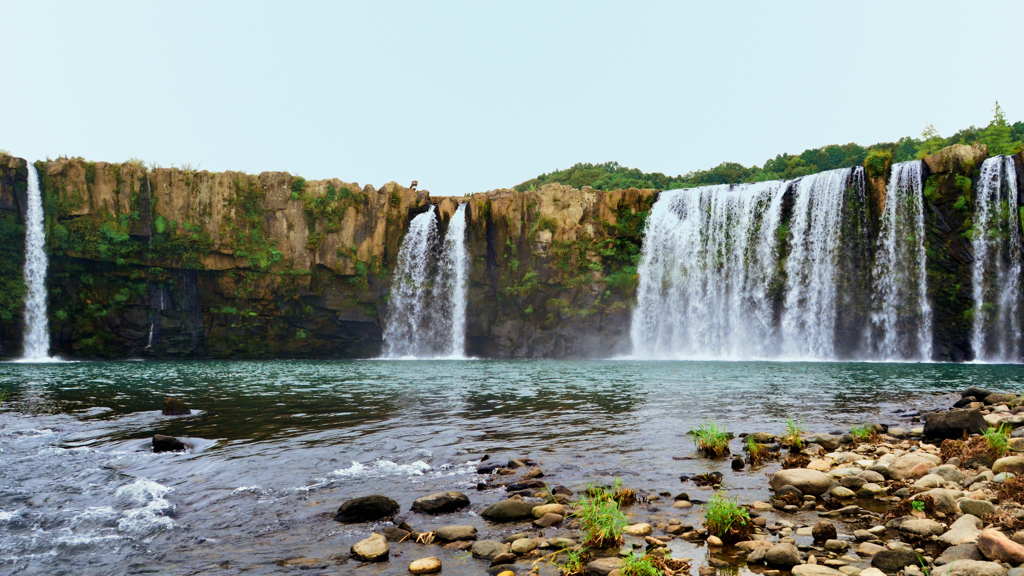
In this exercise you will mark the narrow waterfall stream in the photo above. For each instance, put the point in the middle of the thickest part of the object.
(901, 317)
(996, 271)
(37, 334)
(427, 313)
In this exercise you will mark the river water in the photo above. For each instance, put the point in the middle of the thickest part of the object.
(278, 445)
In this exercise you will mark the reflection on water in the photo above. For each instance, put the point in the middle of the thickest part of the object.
(278, 445)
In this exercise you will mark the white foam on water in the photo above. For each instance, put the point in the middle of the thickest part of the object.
(147, 508)
(381, 468)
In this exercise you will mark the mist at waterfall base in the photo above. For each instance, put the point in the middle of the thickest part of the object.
(427, 311)
(278, 445)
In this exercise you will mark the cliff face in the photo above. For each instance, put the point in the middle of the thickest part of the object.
(180, 263)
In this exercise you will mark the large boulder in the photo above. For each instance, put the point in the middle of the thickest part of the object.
(995, 546)
(970, 568)
(603, 566)
(826, 441)
(782, 555)
(440, 502)
(958, 553)
(894, 560)
(455, 532)
(488, 549)
(373, 549)
(902, 466)
(965, 530)
(807, 481)
(162, 443)
(366, 509)
(508, 511)
(953, 424)
(1014, 464)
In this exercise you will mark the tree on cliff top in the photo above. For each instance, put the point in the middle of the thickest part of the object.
(999, 136)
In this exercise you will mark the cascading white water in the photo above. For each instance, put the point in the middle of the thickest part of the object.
(454, 275)
(37, 336)
(408, 331)
(708, 259)
(809, 315)
(427, 312)
(996, 272)
(901, 316)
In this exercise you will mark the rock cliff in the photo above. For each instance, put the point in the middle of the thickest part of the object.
(181, 263)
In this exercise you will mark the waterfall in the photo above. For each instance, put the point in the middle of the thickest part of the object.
(901, 317)
(37, 336)
(427, 311)
(811, 305)
(454, 276)
(714, 284)
(708, 259)
(996, 272)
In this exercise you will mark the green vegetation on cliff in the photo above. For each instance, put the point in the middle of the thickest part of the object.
(1000, 136)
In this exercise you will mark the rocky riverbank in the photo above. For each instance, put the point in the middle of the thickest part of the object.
(939, 496)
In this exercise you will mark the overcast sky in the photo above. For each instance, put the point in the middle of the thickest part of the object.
(475, 96)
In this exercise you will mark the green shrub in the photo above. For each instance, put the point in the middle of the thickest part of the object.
(601, 519)
(711, 439)
(574, 562)
(633, 565)
(794, 436)
(998, 439)
(755, 452)
(725, 518)
(877, 163)
(862, 433)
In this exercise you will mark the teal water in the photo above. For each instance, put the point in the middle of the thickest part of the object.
(278, 445)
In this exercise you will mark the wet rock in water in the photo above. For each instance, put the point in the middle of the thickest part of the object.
(524, 485)
(959, 553)
(455, 532)
(953, 424)
(824, 530)
(894, 560)
(826, 441)
(806, 481)
(508, 511)
(837, 546)
(995, 546)
(640, 529)
(977, 508)
(603, 566)
(999, 398)
(373, 549)
(504, 558)
(789, 489)
(1012, 464)
(523, 546)
(548, 520)
(970, 568)
(175, 407)
(488, 549)
(162, 443)
(978, 393)
(782, 555)
(762, 437)
(966, 529)
(395, 534)
(540, 511)
(366, 509)
(842, 493)
(428, 565)
(737, 463)
(440, 502)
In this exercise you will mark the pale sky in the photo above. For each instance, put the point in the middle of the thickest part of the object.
(468, 97)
